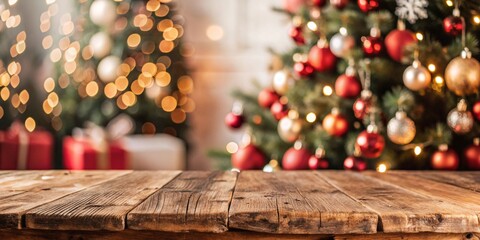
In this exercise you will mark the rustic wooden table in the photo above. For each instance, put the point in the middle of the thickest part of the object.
(248, 205)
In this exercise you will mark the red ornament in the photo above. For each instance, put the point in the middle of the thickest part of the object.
(339, 4)
(317, 163)
(396, 41)
(296, 34)
(321, 58)
(303, 69)
(453, 25)
(293, 5)
(233, 120)
(361, 107)
(267, 97)
(248, 158)
(347, 86)
(370, 144)
(368, 5)
(354, 163)
(472, 155)
(279, 110)
(296, 159)
(335, 124)
(372, 46)
(319, 3)
(444, 159)
(476, 110)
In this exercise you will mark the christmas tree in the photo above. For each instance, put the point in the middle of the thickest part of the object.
(369, 84)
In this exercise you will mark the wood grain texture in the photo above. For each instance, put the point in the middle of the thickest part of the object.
(412, 236)
(468, 180)
(296, 202)
(194, 201)
(24, 190)
(101, 207)
(401, 210)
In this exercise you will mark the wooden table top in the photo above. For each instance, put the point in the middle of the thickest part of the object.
(286, 202)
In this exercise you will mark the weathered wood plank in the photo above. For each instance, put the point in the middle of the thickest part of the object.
(101, 207)
(194, 201)
(412, 236)
(401, 210)
(21, 191)
(468, 180)
(296, 202)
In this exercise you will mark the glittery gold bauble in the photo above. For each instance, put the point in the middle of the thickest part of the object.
(401, 129)
(462, 75)
(282, 81)
(416, 77)
(459, 119)
(289, 128)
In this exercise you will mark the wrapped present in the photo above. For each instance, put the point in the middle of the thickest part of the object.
(20, 149)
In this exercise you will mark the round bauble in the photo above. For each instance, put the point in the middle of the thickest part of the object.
(248, 158)
(416, 77)
(317, 163)
(362, 105)
(453, 25)
(267, 97)
(476, 110)
(347, 86)
(396, 42)
(472, 155)
(296, 34)
(293, 6)
(341, 44)
(354, 163)
(444, 159)
(103, 12)
(459, 119)
(107, 68)
(401, 129)
(372, 46)
(368, 5)
(303, 69)
(282, 81)
(319, 3)
(101, 44)
(321, 58)
(279, 110)
(339, 4)
(296, 159)
(335, 124)
(234, 121)
(462, 76)
(289, 129)
(370, 144)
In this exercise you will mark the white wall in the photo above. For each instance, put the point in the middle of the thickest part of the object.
(250, 27)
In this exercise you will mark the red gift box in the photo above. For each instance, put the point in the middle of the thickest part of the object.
(22, 150)
(83, 154)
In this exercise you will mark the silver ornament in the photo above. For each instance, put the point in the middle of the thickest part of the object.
(289, 128)
(416, 77)
(282, 81)
(401, 129)
(459, 119)
(341, 43)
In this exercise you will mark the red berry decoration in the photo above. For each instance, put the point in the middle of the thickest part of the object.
(396, 42)
(293, 5)
(319, 3)
(476, 110)
(370, 143)
(296, 34)
(453, 25)
(444, 159)
(339, 4)
(347, 86)
(335, 124)
(279, 110)
(354, 163)
(368, 5)
(472, 155)
(267, 97)
(248, 158)
(296, 159)
(303, 69)
(372, 46)
(234, 121)
(321, 58)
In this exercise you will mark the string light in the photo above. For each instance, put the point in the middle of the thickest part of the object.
(476, 19)
(417, 150)
(419, 36)
(311, 117)
(449, 3)
(232, 147)
(214, 32)
(439, 80)
(382, 168)
(431, 67)
(327, 90)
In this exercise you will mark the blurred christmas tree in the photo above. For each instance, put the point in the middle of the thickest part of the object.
(370, 84)
(120, 57)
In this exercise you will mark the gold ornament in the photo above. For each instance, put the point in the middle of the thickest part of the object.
(290, 127)
(416, 77)
(459, 119)
(462, 74)
(282, 81)
(401, 129)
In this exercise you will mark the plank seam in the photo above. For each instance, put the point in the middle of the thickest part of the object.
(237, 175)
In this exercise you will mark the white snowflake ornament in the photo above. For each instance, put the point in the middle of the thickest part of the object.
(412, 10)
